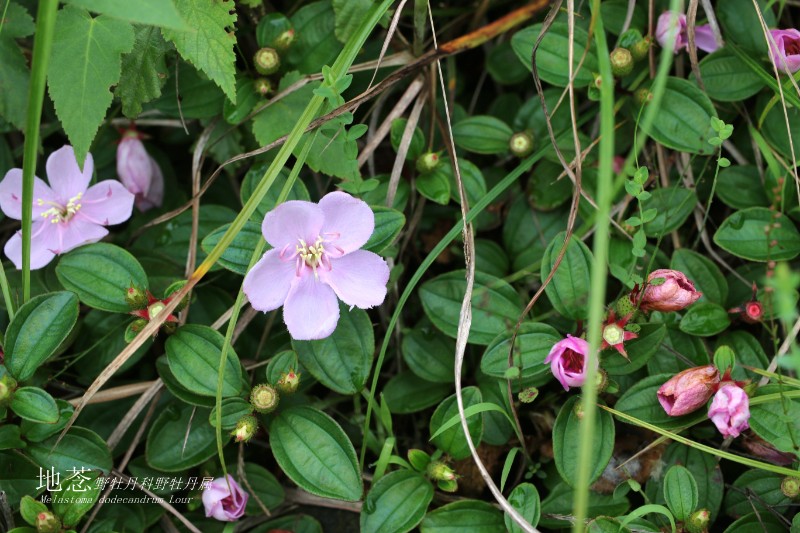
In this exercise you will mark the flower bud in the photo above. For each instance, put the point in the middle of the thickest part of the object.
(283, 41)
(621, 62)
(135, 297)
(642, 97)
(730, 410)
(601, 379)
(138, 325)
(7, 387)
(439, 471)
(613, 334)
(790, 487)
(264, 398)
(668, 290)
(698, 521)
(521, 144)
(640, 50)
(47, 522)
(139, 172)
(428, 162)
(263, 86)
(528, 395)
(568, 361)
(625, 306)
(267, 61)
(689, 390)
(288, 382)
(245, 428)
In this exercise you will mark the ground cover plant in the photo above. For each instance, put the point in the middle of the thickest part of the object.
(386, 265)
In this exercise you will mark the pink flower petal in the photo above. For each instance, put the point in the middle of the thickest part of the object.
(358, 278)
(133, 165)
(11, 195)
(349, 222)
(155, 195)
(311, 310)
(704, 38)
(108, 202)
(65, 177)
(291, 221)
(77, 232)
(268, 282)
(44, 239)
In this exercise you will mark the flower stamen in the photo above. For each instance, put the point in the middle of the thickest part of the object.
(59, 213)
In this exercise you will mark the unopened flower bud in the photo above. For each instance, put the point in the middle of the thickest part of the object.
(288, 382)
(640, 50)
(790, 487)
(7, 386)
(174, 288)
(439, 471)
(521, 144)
(624, 306)
(698, 521)
(245, 428)
(668, 290)
(135, 297)
(753, 312)
(621, 62)
(47, 522)
(689, 390)
(267, 61)
(642, 97)
(139, 172)
(264, 398)
(283, 41)
(263, 86)
(155, 309)
(428, 162)
(601, 379)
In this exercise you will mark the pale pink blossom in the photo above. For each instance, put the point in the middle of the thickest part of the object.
(786, 50)
(730, 410)
(67, 213)
(316, 257)
(569, 361)
(139, 172)
(671, 23)
(668, 290)
(222, 503)
(689, 390)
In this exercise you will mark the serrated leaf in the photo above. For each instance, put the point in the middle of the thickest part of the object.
(333, 153)
(277, 119)
(208, 45)
(143, 71)
(85, 63)
(349, 14)
(14, 79)
(16, 22)
(152, 12)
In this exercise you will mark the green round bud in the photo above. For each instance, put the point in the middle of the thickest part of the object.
(439, 471)
(135, 298)
(7, 387)
(47, 522)
(447, 485)
(245, 428)
(521, 144)
(263, 86)
(642, 96)
(264, 398)
(624, 306)
(267, 61)
(288, 382)
(698, 521)
(428, 162)
(790, 487)
(640, 50)
(138, 325)
(601, 379)
(283, 41)
(621, 62)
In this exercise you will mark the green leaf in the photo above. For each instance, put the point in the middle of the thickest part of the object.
(495, 305)
(313, 450)
(315, 44)
(525, 499)
(417, 146)
(434, 186)
(757, 523)
(348, 16)
(178, 390)
(270, 200)
(233, 409)
(727, 79)
(396, 503)
(144, 70)
(534, 341)
(703, 272)
(680, 492)
(742, 234)
(502, 66)
(180, 438)
(705, 319)
(526, 233)
(748, 352)
(452, 440)
(277, 119)
(20, 477)
(151, 12)
(10, 438)
(740, 187)
(208, 43)
(34, 432)
(270, 27)
(193, 353)
(85, 63)
(777, 422)
(675, 341)
(673, 205)
(551, 61)
(77, 494)
(568, 291)
(683, 120)
(332, 153)
(406, 393)
(566, 442)
(474, 516)
(14, 73)
(640, 351)
(195, 97)
(641, 401)
(34, 404)
(80, 448)
(265, 487)
(561, 499)
(37, 330)
(429, 354)
(388, 223)
(100, 274)
(343, 360)
(236, 257)
(482, 134)
(740, 23)
(30, 508)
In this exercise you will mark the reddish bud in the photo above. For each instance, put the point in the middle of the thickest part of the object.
(668, 290)
(689, 390)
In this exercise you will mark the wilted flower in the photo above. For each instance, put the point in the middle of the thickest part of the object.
(671, 23)
(316, 257)
(786, 50)
(761, 448)
(222, 503)
(139, 172)
(730, 410)
(668, 290)
(568, 361)
(67, 213)
(689, 390)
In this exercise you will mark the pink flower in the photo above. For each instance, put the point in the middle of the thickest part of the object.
(730, 410)
(671, 23)
(786, 50)
(139, 172)
(68, 213)
(689, 390)
(668, 290)
(315, 258)
(226, 505)
(568, 361)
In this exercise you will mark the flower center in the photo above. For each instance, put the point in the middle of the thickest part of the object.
(792, 47)
(573, 361)
(312, 255)
(613, 334)
(59, 213)
(155, 309)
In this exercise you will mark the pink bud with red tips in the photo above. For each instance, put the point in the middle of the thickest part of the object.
(139, 172)
(568, 361)
(730, 410)
(689, 390)
(668, 290)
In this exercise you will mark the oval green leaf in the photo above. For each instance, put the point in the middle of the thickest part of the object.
(452, 440)
(680, 492)
(551, 57)
(704, 273)
(194, 352)
(34, 404)
(742, 234)
(683, 120)
(566, 442)
(180, 438)
(482, 134)
(534, 341)
(396, 503)
(705, 319)
(568, 292)
(474, 516)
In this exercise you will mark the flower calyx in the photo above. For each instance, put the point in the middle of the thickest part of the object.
(288, 382)
(246, 428)
(149, 308)
(616, 332)
(264, 398)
